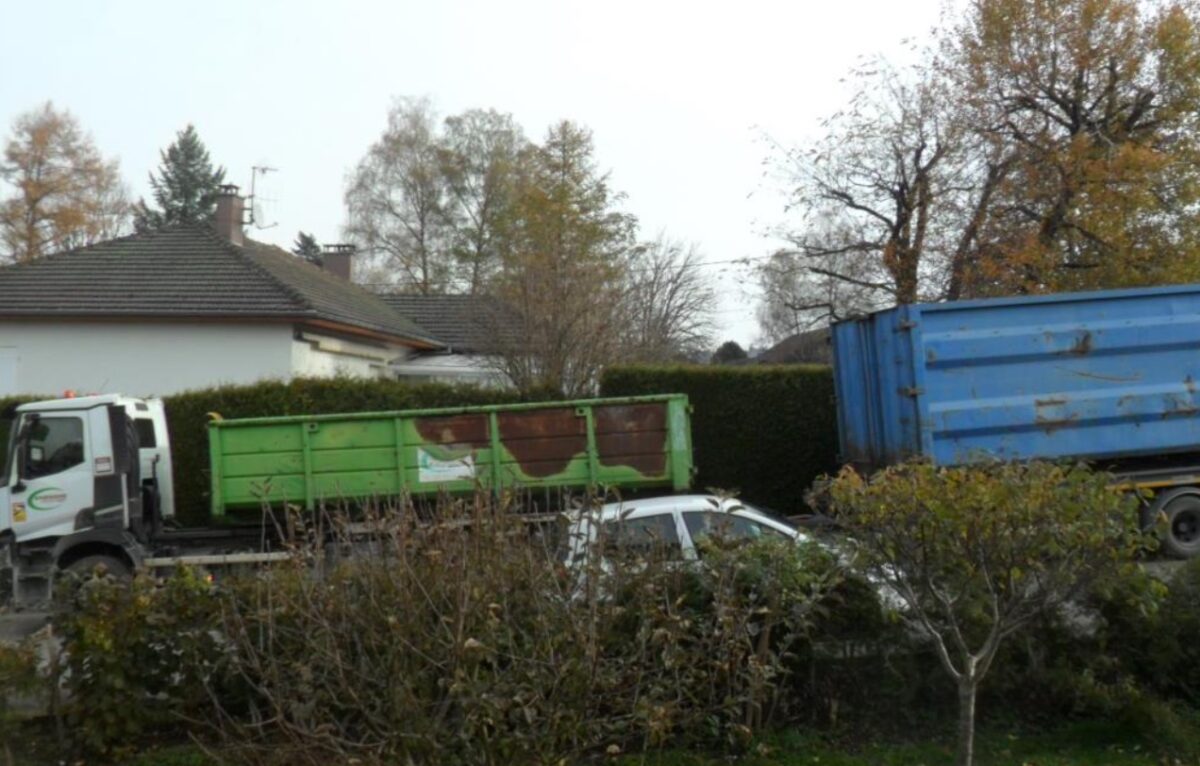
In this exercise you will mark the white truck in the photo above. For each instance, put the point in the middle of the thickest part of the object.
(88, 481)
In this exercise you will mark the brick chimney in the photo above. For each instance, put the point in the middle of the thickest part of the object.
(336, 259)
(229, 218)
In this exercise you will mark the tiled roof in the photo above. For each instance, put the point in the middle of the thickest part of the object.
(465, 323)
(189, 272)
(809, 347)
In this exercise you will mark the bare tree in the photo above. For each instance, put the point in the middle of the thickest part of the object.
(668, 303)
(65, 194)
(396, 200)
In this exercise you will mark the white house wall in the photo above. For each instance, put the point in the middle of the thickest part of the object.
(317, 356)
(139, 358)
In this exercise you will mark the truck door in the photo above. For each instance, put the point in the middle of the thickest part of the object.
(52, 475)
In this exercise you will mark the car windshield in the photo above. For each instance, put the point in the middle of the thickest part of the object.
(729, 526)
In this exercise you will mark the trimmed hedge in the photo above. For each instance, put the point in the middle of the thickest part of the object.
(187, 417)
(765, 431)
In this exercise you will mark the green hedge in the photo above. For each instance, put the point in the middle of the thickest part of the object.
(187, 417)
(765, 431)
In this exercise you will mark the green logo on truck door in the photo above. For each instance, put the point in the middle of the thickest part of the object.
(47, 499)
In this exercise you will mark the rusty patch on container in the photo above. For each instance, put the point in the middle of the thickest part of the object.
(1050, 425)
(1054, 421)
(455, 430)
(1179, 405)
(1110, 378)
(1056, 402)
(1082, 345)
(633, 435)
(543, 442)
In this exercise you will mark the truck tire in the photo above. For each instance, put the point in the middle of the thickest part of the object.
(1181, 540)
(85, 567)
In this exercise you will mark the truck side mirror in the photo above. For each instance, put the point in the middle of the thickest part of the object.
(21, 452)
(120, 432)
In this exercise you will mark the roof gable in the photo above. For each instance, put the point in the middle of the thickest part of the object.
(187, 271)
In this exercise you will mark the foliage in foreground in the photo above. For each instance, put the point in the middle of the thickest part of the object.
(977, 554)
(1089, 743)
(457, 639)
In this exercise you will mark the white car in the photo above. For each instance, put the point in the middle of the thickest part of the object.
(671, 525)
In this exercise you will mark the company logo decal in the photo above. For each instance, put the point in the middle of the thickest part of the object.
(47, 499)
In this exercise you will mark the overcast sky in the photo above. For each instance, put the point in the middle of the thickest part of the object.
(677, 94)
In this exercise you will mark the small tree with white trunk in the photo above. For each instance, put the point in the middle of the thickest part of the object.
(976, 554)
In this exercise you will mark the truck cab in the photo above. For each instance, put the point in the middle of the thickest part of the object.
(86, 480)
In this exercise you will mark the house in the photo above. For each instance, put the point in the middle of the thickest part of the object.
(471, 328)
(188, 307)
(809, 347)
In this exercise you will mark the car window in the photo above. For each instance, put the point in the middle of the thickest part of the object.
(642, 536)
(702, 524)
(55, 445)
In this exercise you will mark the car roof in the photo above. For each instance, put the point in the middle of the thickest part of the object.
(655, 505)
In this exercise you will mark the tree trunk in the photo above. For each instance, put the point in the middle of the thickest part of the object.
(966, 722)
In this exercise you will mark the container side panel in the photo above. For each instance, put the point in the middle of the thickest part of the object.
(1108, 377)
(633, 436)
(285, 437)
(856, 404)
(542, 443)
(639, 442)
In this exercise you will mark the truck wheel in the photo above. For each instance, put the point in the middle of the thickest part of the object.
(85, 567)
(1182, 537)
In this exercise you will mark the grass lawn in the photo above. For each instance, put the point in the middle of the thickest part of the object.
(1095, 743)
(1085, 744)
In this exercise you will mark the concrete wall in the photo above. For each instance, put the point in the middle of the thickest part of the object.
(139, 358)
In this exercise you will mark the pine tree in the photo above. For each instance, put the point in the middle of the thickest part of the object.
(307, 247)
(185, 187)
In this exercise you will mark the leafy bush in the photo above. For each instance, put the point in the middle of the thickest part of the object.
(468, 643)
(139, 657)
(19, 677)
(1158, 647)
(765, 431)
(978, 553)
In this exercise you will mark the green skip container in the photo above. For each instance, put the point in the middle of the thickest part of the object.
(628, 443)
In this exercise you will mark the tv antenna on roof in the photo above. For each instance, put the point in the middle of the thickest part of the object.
(255, 210)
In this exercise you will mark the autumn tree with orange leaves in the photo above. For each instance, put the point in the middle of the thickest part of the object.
(1038, 146)
(63, 193)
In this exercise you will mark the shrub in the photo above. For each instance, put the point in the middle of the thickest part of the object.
(765, 431)
(465, 641)
(1157, 647)
(979, 553)
(140, 658)
(19, 678)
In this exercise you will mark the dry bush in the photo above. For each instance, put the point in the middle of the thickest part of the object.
(462, 639)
